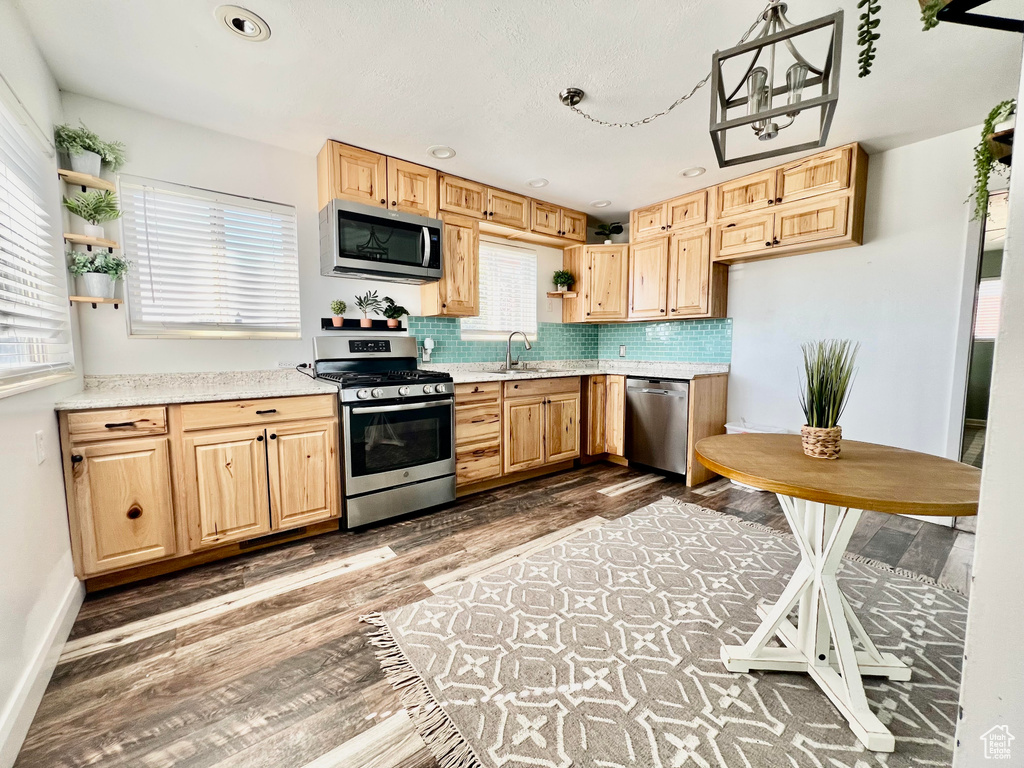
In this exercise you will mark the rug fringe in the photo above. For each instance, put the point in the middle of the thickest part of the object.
(872, 563)
(432, 723)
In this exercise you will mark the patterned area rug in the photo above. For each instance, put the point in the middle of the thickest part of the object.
(604, 651)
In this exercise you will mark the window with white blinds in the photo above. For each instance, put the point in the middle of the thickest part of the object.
(208, 264)
(508, 293)
(986, 312)
(35, 325)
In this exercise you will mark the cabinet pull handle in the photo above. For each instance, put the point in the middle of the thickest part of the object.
(730, 225)
(269, 410)
(134, 512)
(259, 438)
(76, 458)
(116, 424)
(479, 452)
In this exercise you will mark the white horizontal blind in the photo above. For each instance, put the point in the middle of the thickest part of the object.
(508, 293)
(986, 315)
(35, 325)
(207, 263)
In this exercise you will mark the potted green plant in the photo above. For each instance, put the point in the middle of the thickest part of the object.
(338, 308)
(393, 312)
(368, 303)
(828, 374)
(86, 151)
(563, 280)
(90, 210)
(988, 152)
(607, 230)
(97, 273)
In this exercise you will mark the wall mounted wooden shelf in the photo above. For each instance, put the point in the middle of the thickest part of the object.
(90, 242)
(1003, 139)
(352, 324)
(84, 180)
(562, 294)
(94, 300)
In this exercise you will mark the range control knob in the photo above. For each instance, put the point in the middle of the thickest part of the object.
(362, 394)
(428, 388)
(378, 392)
(403, 391)
(440, 389)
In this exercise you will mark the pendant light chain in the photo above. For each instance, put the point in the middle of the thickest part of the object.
(681, 99)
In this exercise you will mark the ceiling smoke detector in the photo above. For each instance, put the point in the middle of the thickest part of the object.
(441, 152)
(243, 22)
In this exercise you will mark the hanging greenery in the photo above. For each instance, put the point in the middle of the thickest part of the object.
(867, 34)
(984, 161)
(929, 13)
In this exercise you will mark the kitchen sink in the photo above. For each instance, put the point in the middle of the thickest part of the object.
(517, 371)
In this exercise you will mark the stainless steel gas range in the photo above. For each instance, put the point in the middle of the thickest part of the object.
(397, 426)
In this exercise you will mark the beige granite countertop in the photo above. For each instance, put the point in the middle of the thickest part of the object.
(464, 373)
(122, 391)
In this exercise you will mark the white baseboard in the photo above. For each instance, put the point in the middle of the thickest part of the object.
(16, 717)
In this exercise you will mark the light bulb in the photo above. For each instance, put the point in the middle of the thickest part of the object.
(796, 78)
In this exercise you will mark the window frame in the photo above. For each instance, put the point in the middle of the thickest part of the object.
(502, 335)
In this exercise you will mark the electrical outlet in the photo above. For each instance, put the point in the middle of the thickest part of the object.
(551, 305)
(40, 447)
(622, 350)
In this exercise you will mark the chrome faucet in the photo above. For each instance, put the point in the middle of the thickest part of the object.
(509, 362)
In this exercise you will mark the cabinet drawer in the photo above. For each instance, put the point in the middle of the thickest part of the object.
(535, 387)
(233, 413)
(84, 426)
(477, 423)
(477, 393)
(481, 461)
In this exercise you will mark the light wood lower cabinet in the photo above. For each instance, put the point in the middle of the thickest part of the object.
(561, 427)
(541, 423)
(523, 439)
(303, 461)
(477, 432)
(606, 415)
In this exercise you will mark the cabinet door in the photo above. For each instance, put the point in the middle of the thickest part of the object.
(744, 236)
(508, 209)
(358, 175)
(545, 219)
(523, 438)
(689, 273)
(648, 278)
(122, 495)
(462, 196)
(818, 219)
(815, 175)
(607, 283)
(226, 486)
(477, 462)
(596, 392)
(561, 427)
(615, 415)
(751, 193)
(412, 188)
(687, 211)
(457, 293)
(304, 472)
(648, 221)
(574, 225)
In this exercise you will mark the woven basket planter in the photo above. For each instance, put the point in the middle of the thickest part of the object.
(821, 442)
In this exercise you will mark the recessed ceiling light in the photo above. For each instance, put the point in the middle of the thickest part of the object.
(441, 152)
(537, 183)
(243, 22)
(689, 173)
(601, 203)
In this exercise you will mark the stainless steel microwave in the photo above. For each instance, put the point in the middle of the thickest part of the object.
(358, 240)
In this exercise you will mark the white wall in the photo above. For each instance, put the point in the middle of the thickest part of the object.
(900, 295)
(39, 594)
(992, 693)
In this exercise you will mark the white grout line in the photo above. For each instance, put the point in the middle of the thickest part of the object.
(385, 745)
(630, 485)
(215, 606)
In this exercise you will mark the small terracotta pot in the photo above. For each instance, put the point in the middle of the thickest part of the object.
(365, 322)
(821, 442)
(337, 321)
(392, 323)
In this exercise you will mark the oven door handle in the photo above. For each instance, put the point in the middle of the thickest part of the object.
(404, 406)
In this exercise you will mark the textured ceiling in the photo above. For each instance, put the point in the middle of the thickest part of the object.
(483, 77)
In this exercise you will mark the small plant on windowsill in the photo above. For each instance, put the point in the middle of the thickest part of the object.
(393, 312)
(89, 210)
(368, 303)
(338, 308)
(607, 230)
(563, 280)
(97, 273)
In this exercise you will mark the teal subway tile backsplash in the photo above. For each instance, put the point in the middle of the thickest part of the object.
(685, 341)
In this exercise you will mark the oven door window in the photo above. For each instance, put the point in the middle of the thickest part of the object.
(384, 441)
(387, 242)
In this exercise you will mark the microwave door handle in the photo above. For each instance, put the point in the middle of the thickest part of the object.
(404, 407)
(425, 248)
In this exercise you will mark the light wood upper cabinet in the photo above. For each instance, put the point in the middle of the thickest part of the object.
(226, 491)
(606, 283)
(546, 218)
(749, 235)
(523, 438)
(508, 209)
(462, 196)
(303, 462)
(561, 427)
(350, 173)
(648, 279)
(412, 188)
(687, 211)
(815, 175)
(649, 221)
(815, 220)
(750, 193)
(122, 497)
(574, 225)
(615, 415)
(457, 293)
(689, 272)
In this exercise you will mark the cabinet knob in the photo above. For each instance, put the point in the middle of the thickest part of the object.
(75, 459)
(769, 243)
(775, 241)
(443, 306)
(778, 199)
(134, 512)
(394, 203)
(259, 438)
(273, 437)
(383, 201)
(663, 310)
(770, 201)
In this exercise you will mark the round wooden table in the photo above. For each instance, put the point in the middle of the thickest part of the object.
(822, 501)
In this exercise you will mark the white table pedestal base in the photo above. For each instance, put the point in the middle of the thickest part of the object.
(822, 641)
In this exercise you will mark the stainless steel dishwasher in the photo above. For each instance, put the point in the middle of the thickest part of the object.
(657, 414)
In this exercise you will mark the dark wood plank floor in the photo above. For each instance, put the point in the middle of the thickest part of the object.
(290, 681)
